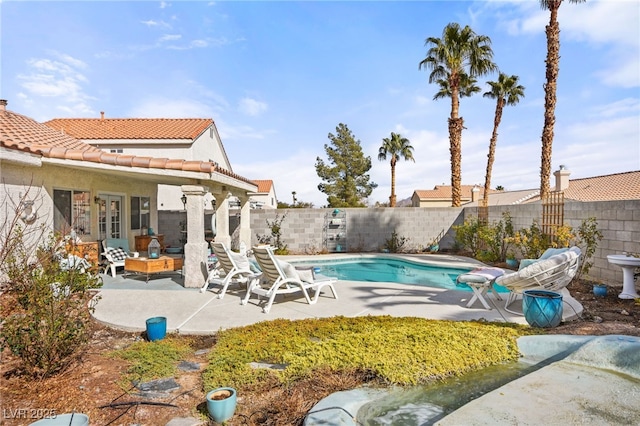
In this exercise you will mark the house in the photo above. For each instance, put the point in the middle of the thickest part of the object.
(68, 185)
(440, 196)
(265, 196)
(194, 139)
(616, 186)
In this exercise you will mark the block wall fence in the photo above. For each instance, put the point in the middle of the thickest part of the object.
(367, 229)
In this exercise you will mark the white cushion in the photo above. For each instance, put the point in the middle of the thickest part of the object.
(289, 270)
(241, 261)
(536, 269)
(480, 275)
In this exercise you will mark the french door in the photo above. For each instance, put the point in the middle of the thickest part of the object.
(110, 216)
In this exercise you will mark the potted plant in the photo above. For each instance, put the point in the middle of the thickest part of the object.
(511, 260)
(221, 404)
(542, 308)
(599, 289)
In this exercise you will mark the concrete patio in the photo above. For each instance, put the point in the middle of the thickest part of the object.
(126, 303)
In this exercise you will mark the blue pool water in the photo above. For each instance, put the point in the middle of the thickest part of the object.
(392, 270)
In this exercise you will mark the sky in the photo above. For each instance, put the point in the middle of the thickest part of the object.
(278, 76)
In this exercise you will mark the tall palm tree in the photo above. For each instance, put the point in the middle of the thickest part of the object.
(467, 86)
(553, 62)
(506, 91)
(459, 54)
(397, 147)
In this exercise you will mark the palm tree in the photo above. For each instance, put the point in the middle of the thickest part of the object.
(553, 62)
(466, 87)
(460, 54)
(397, 147)
(506, 91)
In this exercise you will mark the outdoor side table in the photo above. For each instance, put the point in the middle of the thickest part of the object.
(481, 281)
(144, 265)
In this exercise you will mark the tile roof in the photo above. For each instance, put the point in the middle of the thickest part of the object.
(263, 185)
(617, 186)
(22, 133)
(131, 128)
(444, 192)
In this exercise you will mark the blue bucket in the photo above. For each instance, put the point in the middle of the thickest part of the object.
(156, 328)
(542, 308)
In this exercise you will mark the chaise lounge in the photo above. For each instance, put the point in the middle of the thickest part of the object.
(281, 278)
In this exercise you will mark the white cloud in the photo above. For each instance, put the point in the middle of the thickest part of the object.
(252, 107)
(60, 78)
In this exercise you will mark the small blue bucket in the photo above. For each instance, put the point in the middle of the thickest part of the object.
(542, 308)
(156, 328)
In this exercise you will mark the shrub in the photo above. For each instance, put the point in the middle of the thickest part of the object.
(468, 235)
(588, 237)
(275, 239)
(395, 244)
(46, 317)
(488, 243)
(531, 242)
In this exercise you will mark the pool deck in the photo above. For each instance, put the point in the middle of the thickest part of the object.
(126, 303)
(190, 312)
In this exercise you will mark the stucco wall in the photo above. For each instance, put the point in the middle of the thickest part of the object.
(41, 181)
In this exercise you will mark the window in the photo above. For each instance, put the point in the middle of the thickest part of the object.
(116, 151)
(72, 210)
(140, 212)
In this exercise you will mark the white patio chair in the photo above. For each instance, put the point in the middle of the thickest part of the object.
(230, 267)
(279, 277)
(552, 274)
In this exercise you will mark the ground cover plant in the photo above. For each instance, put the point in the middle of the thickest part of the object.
(404, 351)
(153, 360)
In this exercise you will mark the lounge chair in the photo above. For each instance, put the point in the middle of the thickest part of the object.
(552, 274)
(230, 267)
(279, 277)
(115, 253)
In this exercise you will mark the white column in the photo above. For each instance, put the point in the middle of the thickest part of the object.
(245, 221)
(222, 218)
(195, 250)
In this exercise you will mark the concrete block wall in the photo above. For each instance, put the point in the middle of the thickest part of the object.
(369, 228)
(619, 222)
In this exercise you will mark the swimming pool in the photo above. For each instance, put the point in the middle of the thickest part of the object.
(383, 269)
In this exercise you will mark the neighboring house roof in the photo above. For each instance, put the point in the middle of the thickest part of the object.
(618, 186)
(443, 192)
(131, 128)
(264, 186)
(503, 198)
(22, 133)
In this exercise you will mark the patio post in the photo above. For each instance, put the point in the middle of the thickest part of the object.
(245, 221)
(222, 217)
(195, 250)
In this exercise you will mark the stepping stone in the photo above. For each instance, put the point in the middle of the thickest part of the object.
(159, 385)
(184, 421)
(188, 366)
